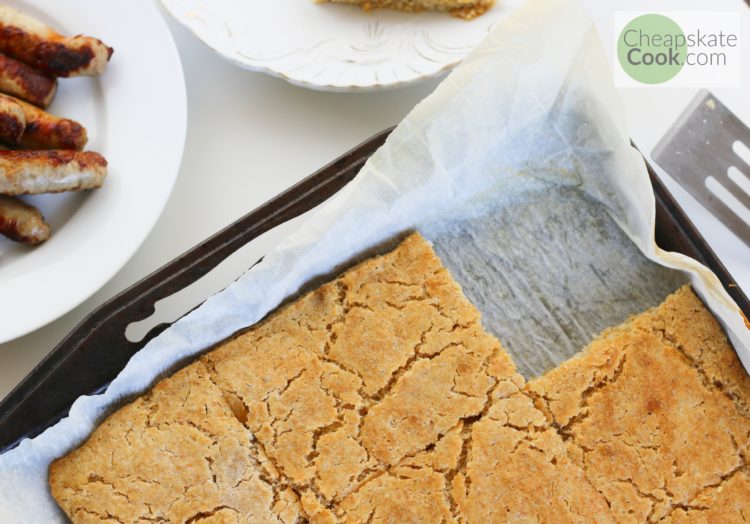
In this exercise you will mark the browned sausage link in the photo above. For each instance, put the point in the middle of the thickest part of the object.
(46, 131)
(34, 172)
(12, 120)
(25, 82)
(40, 46)
(22, 222)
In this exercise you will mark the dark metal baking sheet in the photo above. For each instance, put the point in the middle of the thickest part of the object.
(97, 349)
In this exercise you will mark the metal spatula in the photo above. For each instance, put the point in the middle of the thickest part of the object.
(700, 151)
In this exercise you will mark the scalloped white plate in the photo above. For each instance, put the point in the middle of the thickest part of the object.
(136, 116)
(334, 47)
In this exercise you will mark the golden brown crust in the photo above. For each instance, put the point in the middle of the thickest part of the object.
(518, 469)
(368, 398)
(400, 495)
(379, 397)
(725, 504)
(684, 323)
(435, 394)
(176, 454)
(466, 9)
(362, 370)
(650, 432)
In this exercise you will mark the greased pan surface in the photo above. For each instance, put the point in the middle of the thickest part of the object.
(97, 349)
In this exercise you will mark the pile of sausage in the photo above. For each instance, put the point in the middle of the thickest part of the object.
(40, 152)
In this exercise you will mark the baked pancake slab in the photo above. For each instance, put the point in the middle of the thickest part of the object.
(376, 396)
(683, 322)
(466, 9)
(379, 397)
(650, 431)
(176, 454)
(725, 503)
(518, 470)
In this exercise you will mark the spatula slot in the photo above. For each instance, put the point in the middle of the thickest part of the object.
(728, 198)
(742, 150)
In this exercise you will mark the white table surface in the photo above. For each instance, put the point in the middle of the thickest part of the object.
(251, 136)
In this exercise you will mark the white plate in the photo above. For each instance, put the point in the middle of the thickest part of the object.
(136, 117)
(334, 47)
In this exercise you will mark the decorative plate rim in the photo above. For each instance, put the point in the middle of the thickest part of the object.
(231, 55)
